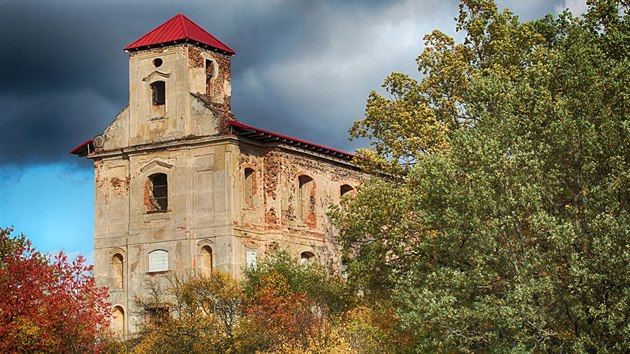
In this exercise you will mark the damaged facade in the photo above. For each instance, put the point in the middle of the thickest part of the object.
(181, 185)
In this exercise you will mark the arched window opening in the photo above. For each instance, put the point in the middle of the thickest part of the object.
(307, 258)
(158, 261)
(158, 93)
(248, 188)
(205, 260)
(346, 189)
(117, 271)
(156, 192)
(306, 198)
(118, 320)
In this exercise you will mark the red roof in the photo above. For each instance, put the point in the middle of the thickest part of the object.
(179, 29)
(259, 134)
(83, 149)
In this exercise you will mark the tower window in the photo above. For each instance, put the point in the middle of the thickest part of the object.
(156, 192)
(158, 93)
(209, 75)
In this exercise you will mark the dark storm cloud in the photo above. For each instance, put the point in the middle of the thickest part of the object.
(302, 68)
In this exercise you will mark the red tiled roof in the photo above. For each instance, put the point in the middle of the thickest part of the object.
(180, 29)
(259, 134)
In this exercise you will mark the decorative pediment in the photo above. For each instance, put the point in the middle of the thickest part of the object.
(156, 75)
(155, 163)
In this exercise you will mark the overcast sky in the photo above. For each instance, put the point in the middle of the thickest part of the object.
(302, 68)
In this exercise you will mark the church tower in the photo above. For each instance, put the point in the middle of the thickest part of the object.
(182, 187)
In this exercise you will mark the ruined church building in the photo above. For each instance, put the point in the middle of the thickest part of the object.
(181, 185)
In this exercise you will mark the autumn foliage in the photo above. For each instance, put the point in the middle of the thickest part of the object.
(48, 305)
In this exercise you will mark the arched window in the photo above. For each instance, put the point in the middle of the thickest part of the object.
(307, 258)
(205, 260)
(158, 261)
(345, 189)
(158, 93)
(156, 192)
(118, 320)
(248, 188)
(117, 271)
(306, 197)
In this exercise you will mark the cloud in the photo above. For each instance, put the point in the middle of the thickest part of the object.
(302, 68)
(577, 7)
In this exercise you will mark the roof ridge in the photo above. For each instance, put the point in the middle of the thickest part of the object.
(182, 22)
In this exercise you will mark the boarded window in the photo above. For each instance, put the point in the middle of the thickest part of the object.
(250, 258)
(307, 258)
(118, 321)
(117, 271)
(248, 188)
(158, 93)
(158, 261)
(306, 198)
(205, 260)
(156, 192)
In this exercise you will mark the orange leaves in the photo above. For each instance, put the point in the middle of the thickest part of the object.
(48, 305)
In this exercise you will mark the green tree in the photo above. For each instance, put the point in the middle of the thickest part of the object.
(502, 223)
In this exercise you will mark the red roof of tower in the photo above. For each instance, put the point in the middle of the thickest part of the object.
(179, 29)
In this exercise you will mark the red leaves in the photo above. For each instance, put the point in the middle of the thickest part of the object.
(49, 305)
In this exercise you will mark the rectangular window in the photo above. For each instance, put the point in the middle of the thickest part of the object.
(251, 259)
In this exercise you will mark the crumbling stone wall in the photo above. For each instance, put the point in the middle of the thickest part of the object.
(274, 221)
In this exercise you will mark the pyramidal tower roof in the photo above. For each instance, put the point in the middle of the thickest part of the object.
(179, 29)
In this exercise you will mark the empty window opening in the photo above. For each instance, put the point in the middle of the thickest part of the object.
(250, 259)
(118, 320)
(157, 62)
(156, 192)
(306, 198)
(307, 258)
(346, 189)
(205, 260)
(158, 93)
(117, 271)
(248, 188)
(209, 75)
(158, 261)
